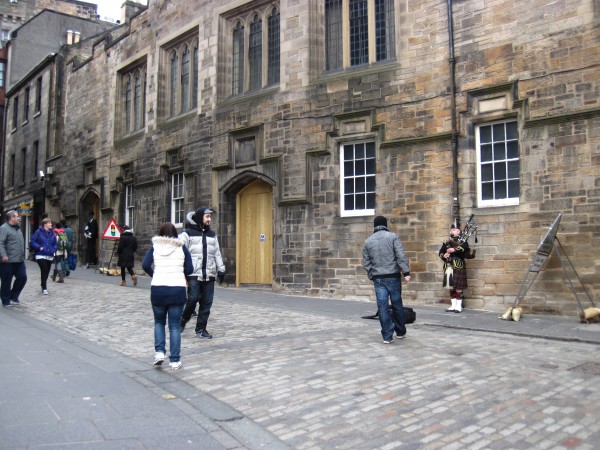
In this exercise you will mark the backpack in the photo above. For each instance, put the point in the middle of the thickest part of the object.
(62, 242)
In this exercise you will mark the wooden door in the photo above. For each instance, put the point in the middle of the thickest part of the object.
(254, 251)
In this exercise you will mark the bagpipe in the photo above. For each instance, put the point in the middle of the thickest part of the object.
(469, 230)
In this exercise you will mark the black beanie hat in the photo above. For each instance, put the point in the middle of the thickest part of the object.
(380, 221)
(199, 214)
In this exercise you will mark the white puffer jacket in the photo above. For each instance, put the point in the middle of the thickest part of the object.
(168, 262)
(206, 253)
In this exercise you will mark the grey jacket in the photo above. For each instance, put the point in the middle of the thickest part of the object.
(12, 243)
(383, 255)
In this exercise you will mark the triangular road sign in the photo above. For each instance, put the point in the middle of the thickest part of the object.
(112, 231)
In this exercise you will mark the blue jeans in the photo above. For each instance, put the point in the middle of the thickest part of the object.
(173, 313)
(391, 319)
(201, 292)
(9, 270)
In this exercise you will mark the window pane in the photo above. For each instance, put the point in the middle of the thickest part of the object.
(349, 202)
(348, 152)
(513, 189)
(370, 149)
(237, 67)
(485, 134)
(487, 191)
(360, 185)
(500, 171)
(348, 168)
(174, 81)
(349, 185)
(371, 184)
(500, 189)
(361, 201)
(370, 165)
(128, 105)
(359, 33)
(513, 169)
(255, 54)
(371, 201)
(511, 130)
(499, 151)
(487, 173)
(137, 103)
(274, 48)
(195, 79)
(359, 151)
(486, 153)
(185, 80)
(359, 167)
(333, 34)
(512, 149)
(384, 30)
(498, 132)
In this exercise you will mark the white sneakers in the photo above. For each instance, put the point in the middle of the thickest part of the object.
(176, 365)
(44, 291)
(159, 358)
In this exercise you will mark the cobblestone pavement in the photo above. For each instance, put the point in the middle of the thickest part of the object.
(321, 381)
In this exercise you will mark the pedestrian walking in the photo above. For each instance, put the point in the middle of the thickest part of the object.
(12, 259)
(204, 247)
(453, 252)
(126, 250)
(70, 241)
(385, 261)
(43, 243)
(91, 236)
(60, 257)
(168, 262)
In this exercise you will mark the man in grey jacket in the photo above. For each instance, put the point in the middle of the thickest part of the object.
(203, 245)
(12, 259)
(385, 262)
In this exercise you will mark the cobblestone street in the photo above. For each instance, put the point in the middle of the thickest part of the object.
(321, 380)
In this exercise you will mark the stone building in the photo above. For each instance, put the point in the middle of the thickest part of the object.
(35, 108)
(299, 121)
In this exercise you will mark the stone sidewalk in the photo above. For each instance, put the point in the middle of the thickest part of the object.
(315, 375)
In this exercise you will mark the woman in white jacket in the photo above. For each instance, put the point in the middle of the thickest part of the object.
(168, 262)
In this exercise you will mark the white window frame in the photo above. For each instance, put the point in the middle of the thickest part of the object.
(343, 177)
(129, 206)
(177, 198)
(508, 201)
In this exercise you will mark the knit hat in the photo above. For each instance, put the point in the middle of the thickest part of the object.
(199, 214)
(379, 221)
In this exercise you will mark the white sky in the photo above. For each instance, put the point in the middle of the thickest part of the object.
(112, 8)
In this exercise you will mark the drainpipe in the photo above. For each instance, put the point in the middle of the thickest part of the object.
(454, 140)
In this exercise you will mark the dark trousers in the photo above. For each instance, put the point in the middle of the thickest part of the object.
(9, 290)
(90, 252)
(201, 292)
(129, 269)
(45, 266)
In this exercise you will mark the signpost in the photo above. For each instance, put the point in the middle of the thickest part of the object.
(539, 259)
(112, 232)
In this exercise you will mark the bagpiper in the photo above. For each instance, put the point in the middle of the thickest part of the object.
(453, 253)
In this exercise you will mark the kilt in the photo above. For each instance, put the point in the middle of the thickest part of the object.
(455, 278)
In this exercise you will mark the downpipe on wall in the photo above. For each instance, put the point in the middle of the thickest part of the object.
(454, 139)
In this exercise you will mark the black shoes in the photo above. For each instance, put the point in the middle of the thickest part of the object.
(203, 334)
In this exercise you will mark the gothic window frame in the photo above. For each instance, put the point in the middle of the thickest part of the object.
(358, 186)
(252, 50)
(358, 33)
(181, 69)
(498, 163)
(133, 93)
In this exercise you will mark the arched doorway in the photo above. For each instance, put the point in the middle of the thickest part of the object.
(254, 224)
(90, 202)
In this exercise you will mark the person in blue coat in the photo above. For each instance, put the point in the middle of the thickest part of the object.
(43, 243)
(168, 262)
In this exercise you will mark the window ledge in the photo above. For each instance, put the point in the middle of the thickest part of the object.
(353, 72)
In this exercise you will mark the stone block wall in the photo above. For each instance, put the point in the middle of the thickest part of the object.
(537, 59)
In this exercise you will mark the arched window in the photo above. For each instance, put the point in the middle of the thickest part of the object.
(174, 83)
(185, 80)
(255, 54)
(273, 61)
(128, 104)
(138, 101)
(237, 69)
